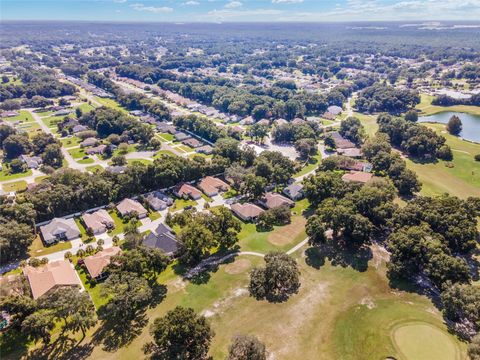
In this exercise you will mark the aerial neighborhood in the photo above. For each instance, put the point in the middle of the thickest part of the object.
(239, 191)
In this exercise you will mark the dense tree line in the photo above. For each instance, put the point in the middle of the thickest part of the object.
(445, 100)
(415, 139)
(294, 132)
(384, 160)
(201, 127)
(383, 98)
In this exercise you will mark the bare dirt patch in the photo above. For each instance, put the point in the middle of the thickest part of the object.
(287, 234)
(380, 254)
(368, 302)
(238, 266)
(223, 304)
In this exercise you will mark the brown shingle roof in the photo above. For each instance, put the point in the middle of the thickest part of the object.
(357, 176)
(247, 210)
(210, 185)
(273, 200)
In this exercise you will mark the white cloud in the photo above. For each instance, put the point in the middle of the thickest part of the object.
(233, 4)
(380, 10)
(287, 1)
(191, 3)
(119, 1)
(152, 9)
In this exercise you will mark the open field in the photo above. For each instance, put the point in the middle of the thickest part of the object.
(462, 179)
(344, 310)
(427, 108)
(110, 103)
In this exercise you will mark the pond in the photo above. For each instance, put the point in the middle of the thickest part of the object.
(470, 123)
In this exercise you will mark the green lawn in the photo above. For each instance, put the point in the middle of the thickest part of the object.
(86, 161)
(4, 175)
(92, 287)
(427, 108)
(179, 204)
(52, 121)
(166, 136)
(23, 116)
(39, 179)
(312, 165)
(110, 103)
(83, 231)
(118, 224)
(139, 161)
(462, 180)
(368, 121)
(85, 108)
(37, 248)
(15, 186)
(94, 168)
(163, 152)
(69, 142)
(45, 113)
(154, 215)
(77, 153)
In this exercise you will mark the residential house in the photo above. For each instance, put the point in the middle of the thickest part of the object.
(180, 136)
(280, 122)
(116, 169)
(194, 143)
(263, 122)
(156, 203)
(32, 162)
(187, 190)
(273, 200)
(96, 264)
(212, 186)
(340, 141)
(55, 274)
(328, 116)
(166, 128)
(335, 110)
(247, 211)
(350, 152)
(62, 112)
(128, 206)
(91, 141)
(162, 238)
(100, 149)
(247, 121)
(79, 128)
(6, 114)
(98, 221)
(357, 177)
(59, 229)
(205, 149)
(298, 121)
(294, 191)
(136, 112)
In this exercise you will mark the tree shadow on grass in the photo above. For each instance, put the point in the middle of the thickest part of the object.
(159, 292)
(64, 348)
(114, 334)
(355, 257)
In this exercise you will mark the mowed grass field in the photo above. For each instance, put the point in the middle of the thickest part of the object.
(462, 179)
(427, 108)
(340, 312)
(345, 308)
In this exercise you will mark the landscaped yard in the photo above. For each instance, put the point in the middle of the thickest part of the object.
(23, 116)
(86, 161)
(69, 142)
(166, 136)
(179, 204)
(77, 152)
(15, 186)
(4, 175)
(92, 287)
(94, 168)
(37, 249)
(118, 224)
(312, 165)
(52, 121)
(163, 152)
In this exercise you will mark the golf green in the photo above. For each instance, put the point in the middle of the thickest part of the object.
(424, 341)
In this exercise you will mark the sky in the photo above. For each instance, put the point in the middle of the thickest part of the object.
(239, 10)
